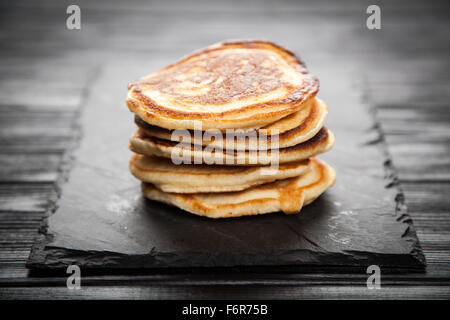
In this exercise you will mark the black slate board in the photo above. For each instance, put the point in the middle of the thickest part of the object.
(103, 222)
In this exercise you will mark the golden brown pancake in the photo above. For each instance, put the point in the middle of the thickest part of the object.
(287, 195)
(241, 84)
(288, 131)
(183, 178)
(142, 144)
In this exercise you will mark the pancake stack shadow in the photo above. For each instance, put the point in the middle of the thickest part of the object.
(231, 130)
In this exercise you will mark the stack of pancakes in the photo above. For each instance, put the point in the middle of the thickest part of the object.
(231, 130)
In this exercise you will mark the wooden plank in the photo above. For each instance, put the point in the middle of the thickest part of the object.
(227, 292)
(427, 197)
(32, 168)
(26, 197)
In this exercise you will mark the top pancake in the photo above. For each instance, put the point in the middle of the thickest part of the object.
(242, 84)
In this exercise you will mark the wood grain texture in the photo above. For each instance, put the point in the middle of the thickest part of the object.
(44, 74)
(245, 292)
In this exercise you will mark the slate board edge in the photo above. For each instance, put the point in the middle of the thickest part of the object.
(67, 162)
(44, 257)
(391, 176)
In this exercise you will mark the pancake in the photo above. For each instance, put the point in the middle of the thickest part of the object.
(191, 154)
(168, 177)
(240, 84)
(288, 195)
(291, 130)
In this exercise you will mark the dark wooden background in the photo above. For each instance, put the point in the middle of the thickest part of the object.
(46, 72)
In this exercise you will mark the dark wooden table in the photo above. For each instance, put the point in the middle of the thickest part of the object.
(46, 73)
